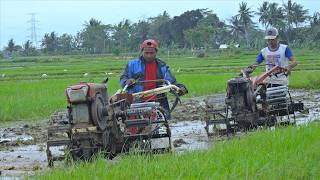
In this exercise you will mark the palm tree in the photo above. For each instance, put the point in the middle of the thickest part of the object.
(289, 13)
(93, 22)
(49, 42)
(121, 35)
(271, 15)
(45, 41)
(28, 49)
(315, 19)
(140, 31)
(294, 14)
(315, 28)
(300, 15)
(289, 16)
(94, 36)
(276, 16)
(236, 28)
(54, 39)
(160, 28)
(263, 12)
(245, 15)
(11, 46)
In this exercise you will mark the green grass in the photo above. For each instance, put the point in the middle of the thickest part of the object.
(24, 95)
(285, 153)
(32, 100)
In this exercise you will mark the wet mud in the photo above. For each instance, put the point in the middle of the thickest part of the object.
(22, 147)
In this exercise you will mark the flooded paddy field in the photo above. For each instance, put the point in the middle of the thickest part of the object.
(22, 146)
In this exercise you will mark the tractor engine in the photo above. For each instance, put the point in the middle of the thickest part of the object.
(85, 128)
(86, 102)
(241, 101)
(239, 95)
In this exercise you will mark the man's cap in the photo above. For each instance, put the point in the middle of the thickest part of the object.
(149, 43)
(271, 33)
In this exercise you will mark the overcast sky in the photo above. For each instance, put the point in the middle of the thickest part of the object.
(68, 16)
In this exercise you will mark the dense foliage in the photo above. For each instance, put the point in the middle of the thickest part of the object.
(194, 29)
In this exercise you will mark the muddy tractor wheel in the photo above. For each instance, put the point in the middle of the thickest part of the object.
(97, 115)
(271, 121)
(109, 145)
(84, 152)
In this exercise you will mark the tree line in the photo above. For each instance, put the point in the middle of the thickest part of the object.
(200, 28)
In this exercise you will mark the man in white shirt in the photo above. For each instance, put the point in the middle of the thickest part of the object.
(276, 54)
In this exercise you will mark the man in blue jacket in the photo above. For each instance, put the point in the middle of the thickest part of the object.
(148, 67)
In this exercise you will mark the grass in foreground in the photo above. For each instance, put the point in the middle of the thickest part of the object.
(286, 153)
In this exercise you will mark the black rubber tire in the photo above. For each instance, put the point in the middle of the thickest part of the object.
(96, 110)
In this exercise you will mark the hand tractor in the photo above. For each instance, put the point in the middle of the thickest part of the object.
(251, 102)
(95, 122)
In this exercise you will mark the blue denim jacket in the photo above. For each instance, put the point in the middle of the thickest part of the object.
(135, 69)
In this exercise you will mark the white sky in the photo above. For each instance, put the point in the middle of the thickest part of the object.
(68, 16)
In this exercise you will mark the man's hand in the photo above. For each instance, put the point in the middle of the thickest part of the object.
(253, 66)
(130, 82)
(287, 70)
(182, 90)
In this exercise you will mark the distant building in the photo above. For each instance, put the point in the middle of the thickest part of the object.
(226, 46)
(7, 54)
(223, 46)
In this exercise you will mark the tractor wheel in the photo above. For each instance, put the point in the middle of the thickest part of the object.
(84, 152)
(109, 145)
(97, 115)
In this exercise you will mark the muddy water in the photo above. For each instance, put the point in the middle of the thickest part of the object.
(189, 135)
(27, 159)
(22, 148)
(311, 101)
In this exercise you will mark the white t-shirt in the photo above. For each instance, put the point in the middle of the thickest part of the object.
(278, 57)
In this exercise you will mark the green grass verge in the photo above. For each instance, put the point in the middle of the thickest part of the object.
(285, 153)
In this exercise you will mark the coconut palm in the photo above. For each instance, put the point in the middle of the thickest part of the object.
(28, 48)
(300, 15)
(294, 15)
(236, 28)
(11, 46)
(93, 36)
(263, 12)
(93, 22)
(271, 15)
(49, 42)
(315, 19)
(245, 15)
(276, 16)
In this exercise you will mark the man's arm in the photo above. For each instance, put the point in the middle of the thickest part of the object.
(168, 76)
(293, 63)
(259, 60)
(293, 60)
(124, 76)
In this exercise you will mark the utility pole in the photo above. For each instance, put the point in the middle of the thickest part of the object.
(32, 29)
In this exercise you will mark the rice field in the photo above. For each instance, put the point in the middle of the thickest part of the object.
(29, 95)
(26, 94)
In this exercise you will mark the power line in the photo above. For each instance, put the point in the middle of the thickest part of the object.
(32, 29)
